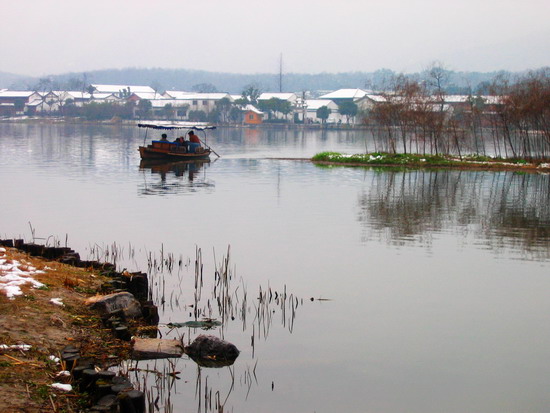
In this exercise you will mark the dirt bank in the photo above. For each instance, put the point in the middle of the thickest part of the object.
(34, 319)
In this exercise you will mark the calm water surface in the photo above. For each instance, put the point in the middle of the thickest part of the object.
(436, 282)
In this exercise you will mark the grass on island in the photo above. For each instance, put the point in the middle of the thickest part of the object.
(416, 160)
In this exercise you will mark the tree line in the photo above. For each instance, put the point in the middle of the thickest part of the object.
(513, 121)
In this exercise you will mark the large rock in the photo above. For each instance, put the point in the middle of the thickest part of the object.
(211, 351)
(155, 348)
(110, 303)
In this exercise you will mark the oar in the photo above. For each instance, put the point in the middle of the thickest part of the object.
(209, 147)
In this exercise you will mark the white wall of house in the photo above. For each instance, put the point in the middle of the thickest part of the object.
(314, 104)
(205, 102)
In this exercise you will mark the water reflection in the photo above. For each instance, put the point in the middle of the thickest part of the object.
(220, 303)
(175, 177)
(501, 209)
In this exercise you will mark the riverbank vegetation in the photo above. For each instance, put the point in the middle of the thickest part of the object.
(423, 160)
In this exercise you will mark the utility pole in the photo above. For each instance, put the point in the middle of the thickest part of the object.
(281, 74)
(304, 107)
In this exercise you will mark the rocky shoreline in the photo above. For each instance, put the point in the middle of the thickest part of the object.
(84, 379)
(98, 318)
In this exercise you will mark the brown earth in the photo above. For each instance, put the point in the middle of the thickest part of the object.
(26, 376)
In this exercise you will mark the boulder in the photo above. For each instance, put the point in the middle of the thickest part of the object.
(155, 348)
(211, 351)
(110, 303)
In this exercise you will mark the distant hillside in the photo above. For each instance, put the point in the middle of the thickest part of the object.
(182, 79)
(203, 81)
(15, 82)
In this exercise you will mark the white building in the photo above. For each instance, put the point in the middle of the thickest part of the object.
(205, 102)
(312, 105)
(169, 108)
(368, 101)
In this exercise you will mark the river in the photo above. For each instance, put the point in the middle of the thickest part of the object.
(381, 290)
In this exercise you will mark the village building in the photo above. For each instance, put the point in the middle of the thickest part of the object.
(311, 107)
(368, 101)
(169, 108)
(252, 115)
(135, 97)
(13, 102)
(205, 102)
(75, 97)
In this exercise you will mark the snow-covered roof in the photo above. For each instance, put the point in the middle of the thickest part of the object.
(465, 98)
(375, 98)
(78, 95)
(252, 108)
(177, 94)
(314, 104)
(16, 93)
(345, 94)
(118, 88)
(148, 95)
(100, 96)
(282, 96)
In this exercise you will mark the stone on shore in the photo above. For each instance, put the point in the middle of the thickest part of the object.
(155, 348)
(110, 303)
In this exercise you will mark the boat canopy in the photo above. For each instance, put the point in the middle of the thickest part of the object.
(176, 125)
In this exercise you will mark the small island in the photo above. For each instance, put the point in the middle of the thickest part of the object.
(408, 160)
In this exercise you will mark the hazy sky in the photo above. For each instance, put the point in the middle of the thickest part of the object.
(40, 37)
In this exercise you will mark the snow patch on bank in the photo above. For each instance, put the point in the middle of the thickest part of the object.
(14, 274)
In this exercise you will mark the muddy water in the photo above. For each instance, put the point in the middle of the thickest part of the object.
(430, 289)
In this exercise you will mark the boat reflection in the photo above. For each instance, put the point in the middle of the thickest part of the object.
(175, 177)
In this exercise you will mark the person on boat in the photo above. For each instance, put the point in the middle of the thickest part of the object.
(194, 142)
(182, 142)
(194, 138)
(163, 137)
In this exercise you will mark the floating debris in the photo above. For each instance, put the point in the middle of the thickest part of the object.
(206, 324)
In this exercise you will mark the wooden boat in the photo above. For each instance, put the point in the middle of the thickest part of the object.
(173, 150)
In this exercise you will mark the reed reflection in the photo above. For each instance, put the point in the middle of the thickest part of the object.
(502, 209)
(216, 303)
(175, 177)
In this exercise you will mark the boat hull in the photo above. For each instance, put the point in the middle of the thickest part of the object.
(149, 152)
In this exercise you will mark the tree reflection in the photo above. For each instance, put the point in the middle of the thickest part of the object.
(503, 209)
